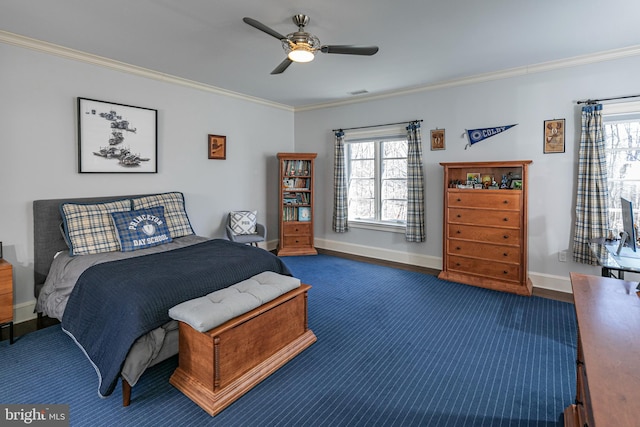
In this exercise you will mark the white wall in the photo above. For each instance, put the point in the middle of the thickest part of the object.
(527, 100)
(38, 152)
(38, 149)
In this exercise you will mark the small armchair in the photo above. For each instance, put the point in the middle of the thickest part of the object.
(242, 227)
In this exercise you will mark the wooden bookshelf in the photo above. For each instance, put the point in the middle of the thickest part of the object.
(295, 199)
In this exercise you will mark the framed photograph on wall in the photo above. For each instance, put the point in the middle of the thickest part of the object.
(437, 139)
(217, 147)
(116, 138)
(554, 136)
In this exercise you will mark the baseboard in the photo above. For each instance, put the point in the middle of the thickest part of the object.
(551, 286)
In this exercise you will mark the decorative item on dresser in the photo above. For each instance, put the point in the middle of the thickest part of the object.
(485, 230)
(296, 204)
(6, 297)
(608, 314)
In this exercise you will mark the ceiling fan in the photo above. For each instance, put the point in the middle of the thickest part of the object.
(301, 46)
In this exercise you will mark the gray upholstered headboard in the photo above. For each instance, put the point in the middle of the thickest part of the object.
(47, 237)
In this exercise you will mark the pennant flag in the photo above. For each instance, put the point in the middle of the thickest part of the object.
(477, 135)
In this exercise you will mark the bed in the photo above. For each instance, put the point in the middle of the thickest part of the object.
(125, 329)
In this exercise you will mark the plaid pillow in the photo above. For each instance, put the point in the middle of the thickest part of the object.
(141, 229)
(243, 222)
(89, 228)
(174, 211)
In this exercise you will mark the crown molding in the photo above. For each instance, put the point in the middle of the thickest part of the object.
(576, 61)
(76, 55)
(64, 52)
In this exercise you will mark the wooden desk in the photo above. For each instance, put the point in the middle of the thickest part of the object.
(608, 367)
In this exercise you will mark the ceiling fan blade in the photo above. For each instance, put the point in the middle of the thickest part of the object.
(260, 26)
(350, 50)
(283, 66)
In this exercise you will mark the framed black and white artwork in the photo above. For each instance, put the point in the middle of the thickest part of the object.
(116, 138)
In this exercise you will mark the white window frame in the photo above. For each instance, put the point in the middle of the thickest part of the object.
(377, 136)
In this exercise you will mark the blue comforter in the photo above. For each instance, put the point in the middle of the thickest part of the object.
(115, 303)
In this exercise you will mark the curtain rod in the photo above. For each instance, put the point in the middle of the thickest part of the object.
(593, 101)
(375, 126)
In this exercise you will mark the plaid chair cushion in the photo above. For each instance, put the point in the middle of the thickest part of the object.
(141, 229)
(89, 228)
(174, 211)
(243, 222)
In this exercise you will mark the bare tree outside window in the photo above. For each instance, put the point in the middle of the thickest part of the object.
(622, 145)
(377, 180)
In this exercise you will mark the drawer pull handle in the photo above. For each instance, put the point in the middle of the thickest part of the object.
(459, 216)
(458, 232)
(505, 254)
(458, 199)
(457, 264)
(506, 202)
(505, 236)
(506, 219)
(457, 248)
(505, 272)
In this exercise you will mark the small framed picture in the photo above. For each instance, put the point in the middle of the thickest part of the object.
(516, 184)
(437, 139)
(473, 178)
(304, 214)
(217, 147)
(554, 136)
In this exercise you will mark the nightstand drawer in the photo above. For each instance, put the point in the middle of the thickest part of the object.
(6, 278)
(6, 307)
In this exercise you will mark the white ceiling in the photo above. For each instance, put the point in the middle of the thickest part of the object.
(422, 42)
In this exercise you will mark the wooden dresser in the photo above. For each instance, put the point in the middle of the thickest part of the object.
(6, 297)
(485, 230)
(608, 365)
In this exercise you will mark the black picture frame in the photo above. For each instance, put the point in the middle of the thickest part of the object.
(116, 138)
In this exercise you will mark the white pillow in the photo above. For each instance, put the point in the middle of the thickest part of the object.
(243, 222)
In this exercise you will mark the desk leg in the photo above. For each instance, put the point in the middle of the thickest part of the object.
(608, 272)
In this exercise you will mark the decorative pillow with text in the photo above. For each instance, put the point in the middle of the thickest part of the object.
(141, 229)
(243, 222)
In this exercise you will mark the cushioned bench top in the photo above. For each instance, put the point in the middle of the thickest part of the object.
(209, 311)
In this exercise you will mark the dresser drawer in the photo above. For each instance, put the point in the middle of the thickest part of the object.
(296, 229)
(505, 236)
(483, 250)
(483, 217)
(493, 269)
(293, 241)
(500, 199)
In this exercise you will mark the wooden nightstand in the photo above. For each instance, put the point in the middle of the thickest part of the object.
(6, 297)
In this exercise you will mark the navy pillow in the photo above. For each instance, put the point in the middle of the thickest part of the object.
(141, 228)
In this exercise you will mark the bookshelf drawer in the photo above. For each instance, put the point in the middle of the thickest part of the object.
(296, 229)
(294, 241)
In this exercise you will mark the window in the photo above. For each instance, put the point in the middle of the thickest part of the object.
(376, 169)
(621, 126)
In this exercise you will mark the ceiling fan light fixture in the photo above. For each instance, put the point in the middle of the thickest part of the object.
(301, 53)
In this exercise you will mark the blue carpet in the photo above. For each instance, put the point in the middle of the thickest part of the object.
(395, 348)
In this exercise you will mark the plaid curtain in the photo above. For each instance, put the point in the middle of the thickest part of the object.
(591, 199)
(415, 185)
(340, 202)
